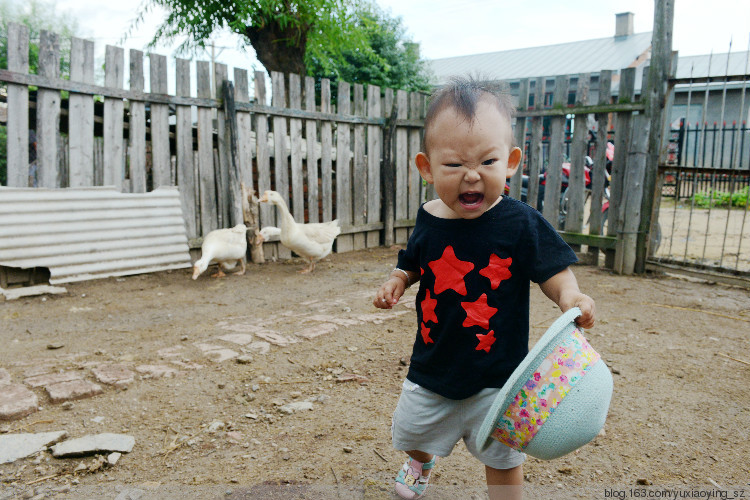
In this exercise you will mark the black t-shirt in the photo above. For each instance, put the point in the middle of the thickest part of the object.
(473, 299)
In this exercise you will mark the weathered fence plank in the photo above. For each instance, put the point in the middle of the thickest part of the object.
(161, 158)
(619, 163)
(401, 160)
(230, 212)
(578, 143)
(359, 169)
(311, 141)
(599, 172)
(262, 156)
(114, 76)
(295, 139)
(344, 243)
(633, 194)
(551, 204)
(535, 150)
(374, 153)
(185, 158)
(520, 137)
(244, 130)
(280, 156)
(415, 180)
(48, 113)
(81, 116)
(326, 152)
(207, 179)
(18, 108)
(137, 127)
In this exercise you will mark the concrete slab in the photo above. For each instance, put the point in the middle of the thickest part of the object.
(28, 291)
(94, 443)
(16, 446)
(16, 401)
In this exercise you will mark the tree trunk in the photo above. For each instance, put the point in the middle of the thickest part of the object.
(267, 42)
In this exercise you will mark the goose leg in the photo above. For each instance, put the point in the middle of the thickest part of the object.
(219, 273)
(241, 262)
(309, 267)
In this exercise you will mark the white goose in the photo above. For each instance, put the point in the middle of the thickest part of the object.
(227, 247)
(313, 241)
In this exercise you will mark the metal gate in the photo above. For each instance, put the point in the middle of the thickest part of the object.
(704, 176)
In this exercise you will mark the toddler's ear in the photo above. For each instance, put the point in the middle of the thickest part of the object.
(514, 160)
(424, 167)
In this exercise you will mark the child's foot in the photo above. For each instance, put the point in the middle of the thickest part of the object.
(413, 478)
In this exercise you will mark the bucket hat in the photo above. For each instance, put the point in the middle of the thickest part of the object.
(556, 400)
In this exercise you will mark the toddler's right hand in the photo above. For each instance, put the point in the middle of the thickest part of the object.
(389, 293)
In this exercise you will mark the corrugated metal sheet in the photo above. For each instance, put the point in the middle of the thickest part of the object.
(89, 233)
(587, 56)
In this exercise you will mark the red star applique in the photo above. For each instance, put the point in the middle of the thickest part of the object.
(425, 331)
(486, 341)
(497, 270)
(478, 313)
(428, 309)
(449, 272)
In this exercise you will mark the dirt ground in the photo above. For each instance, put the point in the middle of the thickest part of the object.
(679, 351)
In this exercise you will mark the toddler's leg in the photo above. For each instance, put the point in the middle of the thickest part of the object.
(505, 484)
(413, 478)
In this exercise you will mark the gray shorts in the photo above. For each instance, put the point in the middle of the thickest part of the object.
(428, 422)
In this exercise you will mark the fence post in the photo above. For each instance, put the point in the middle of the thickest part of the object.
(236, 193)
(633, 195)
(657, 89)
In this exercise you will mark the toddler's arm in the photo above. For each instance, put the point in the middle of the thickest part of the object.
(563, 290)
(394, 288)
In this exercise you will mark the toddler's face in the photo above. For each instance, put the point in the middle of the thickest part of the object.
(469, 161)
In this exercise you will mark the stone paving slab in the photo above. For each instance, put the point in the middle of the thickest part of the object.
(118, 375)
(17, 401)
(53, 378)
(15, 446)
(156, 371)
(74, 389)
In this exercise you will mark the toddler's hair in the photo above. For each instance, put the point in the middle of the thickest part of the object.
(463, 93)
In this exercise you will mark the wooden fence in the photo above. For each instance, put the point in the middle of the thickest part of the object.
(348, 157)
(324, 156)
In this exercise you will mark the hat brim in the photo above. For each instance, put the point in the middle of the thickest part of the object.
(561, 328)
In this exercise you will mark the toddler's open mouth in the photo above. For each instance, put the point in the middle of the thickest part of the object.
(471, 199)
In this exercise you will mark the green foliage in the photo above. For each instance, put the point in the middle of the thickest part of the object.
(37, 15)
(387, 58)
(721, 198)
(276, 29)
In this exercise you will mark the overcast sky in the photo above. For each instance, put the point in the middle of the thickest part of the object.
(452, 28)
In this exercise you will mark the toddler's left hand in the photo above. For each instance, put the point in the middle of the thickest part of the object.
(586, 305)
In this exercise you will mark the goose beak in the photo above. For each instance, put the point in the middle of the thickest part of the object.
(196, 272)
(264, 198)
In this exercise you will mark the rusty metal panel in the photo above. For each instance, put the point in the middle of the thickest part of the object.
(90, 233)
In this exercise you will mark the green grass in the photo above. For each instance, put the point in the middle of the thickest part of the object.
(705, 199)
